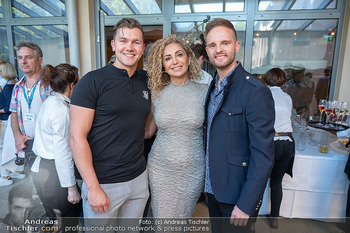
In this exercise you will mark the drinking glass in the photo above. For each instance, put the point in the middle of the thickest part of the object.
(344, 109)
(321, 106)
(324, 142)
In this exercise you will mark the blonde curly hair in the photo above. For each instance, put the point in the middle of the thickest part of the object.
(157, 78)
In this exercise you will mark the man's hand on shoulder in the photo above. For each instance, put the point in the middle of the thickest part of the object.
(238, 217)
(98, 200)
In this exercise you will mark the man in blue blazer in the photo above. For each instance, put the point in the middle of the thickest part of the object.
(239, 132)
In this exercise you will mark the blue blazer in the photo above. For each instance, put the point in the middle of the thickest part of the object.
(241, 146)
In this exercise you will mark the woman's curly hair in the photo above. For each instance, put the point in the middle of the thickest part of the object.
(157, 77)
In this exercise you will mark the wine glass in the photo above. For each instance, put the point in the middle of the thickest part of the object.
(321, 106)
(333, 107)
(329, 110)
(344, 109)
(336, 111)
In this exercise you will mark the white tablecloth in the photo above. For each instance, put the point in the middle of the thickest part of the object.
(318, 188)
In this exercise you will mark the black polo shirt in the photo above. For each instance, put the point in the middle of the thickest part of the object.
(121, 106)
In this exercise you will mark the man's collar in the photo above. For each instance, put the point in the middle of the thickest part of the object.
(20, 82)
(217, 78)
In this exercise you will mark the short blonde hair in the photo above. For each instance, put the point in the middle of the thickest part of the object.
(158, 79)
(7, 70)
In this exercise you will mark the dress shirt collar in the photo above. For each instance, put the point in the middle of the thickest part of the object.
(223, 82)
(276, 88)
(64, 98)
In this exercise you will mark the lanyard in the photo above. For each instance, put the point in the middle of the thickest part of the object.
(8, 81)
(31, 94)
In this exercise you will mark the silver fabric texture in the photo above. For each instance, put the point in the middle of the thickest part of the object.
(176, 161)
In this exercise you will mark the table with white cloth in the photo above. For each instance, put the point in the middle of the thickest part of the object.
(318, 189)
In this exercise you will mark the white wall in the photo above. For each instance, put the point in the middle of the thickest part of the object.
(342, 90)
(86, 36)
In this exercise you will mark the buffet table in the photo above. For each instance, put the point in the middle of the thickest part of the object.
(318, 189)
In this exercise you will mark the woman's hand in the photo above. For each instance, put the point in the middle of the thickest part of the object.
(73, 195)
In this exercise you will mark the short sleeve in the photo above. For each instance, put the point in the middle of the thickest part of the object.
(14, 100)
(85, 92)
(7, 91)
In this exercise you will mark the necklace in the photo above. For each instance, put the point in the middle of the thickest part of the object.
(29, 90)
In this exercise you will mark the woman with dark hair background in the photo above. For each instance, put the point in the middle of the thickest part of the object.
(54, 166)
(284, 143)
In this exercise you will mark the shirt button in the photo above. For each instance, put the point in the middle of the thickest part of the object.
(247, 77)
(244, 164)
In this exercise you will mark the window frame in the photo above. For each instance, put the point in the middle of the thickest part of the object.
(9, 22)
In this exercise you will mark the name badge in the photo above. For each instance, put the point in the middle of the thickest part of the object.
(29, 117)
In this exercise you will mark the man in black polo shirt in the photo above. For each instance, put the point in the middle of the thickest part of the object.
(106, 132)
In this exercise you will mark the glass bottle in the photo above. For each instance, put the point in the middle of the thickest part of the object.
(301, 141)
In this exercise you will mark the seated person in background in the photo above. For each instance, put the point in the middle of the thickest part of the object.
(301, 89)
(201, 54)
(322, 85)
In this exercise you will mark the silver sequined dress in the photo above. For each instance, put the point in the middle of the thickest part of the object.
(176, 162)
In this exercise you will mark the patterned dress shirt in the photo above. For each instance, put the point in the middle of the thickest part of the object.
(216, 97)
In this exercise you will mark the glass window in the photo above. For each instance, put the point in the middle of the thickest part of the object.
(0, 10)
(304, 49)
(151, 34)
(285, 5)
(37, 8)
(53, 40)
(137, 7)
(185, 6)
(4, 49)
(191, 32)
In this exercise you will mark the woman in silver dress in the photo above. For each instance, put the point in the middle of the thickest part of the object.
(176, 162)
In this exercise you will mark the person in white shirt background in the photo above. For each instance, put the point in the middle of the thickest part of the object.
(9, 74)
(284, 143)
(201, 54)
(54, 165)
(27, 97)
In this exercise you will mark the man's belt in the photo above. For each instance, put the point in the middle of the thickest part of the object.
(283, 134)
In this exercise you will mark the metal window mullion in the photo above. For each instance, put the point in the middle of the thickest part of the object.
(132, 7)
(38, 21)
(332, 86)
(103, 38)
(10, 40)
(7, 13)
(168, 10)
(97, 33)
(200, 16)
(250, 9)
(294, 16)
(47, 7)
(73, 35)
(143, 19)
